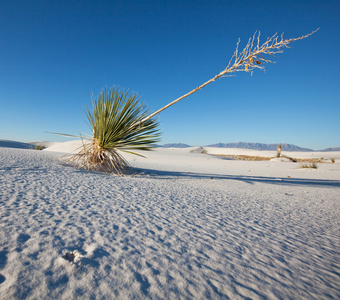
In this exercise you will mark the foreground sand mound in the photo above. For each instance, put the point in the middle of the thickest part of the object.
(186, 226)
(65, 147)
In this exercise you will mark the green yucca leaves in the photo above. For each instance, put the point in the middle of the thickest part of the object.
(113, 120)
(117, 121)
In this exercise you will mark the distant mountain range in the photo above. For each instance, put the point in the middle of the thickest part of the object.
(244, 145)
(254, 146)
(331, 149)
(176, 145)
(260, 146)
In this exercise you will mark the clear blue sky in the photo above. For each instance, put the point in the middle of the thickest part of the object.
(55, 54)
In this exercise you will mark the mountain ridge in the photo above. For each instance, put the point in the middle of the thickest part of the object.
(330, 149)
(260, 146)
(253, 146)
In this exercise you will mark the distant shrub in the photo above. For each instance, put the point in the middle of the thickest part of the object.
(36, 147)
(245, 157)
(332, 160)
(39, 147)
(199, 150)
(311, 166)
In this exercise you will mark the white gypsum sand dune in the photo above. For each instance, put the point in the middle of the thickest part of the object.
(185, 225)
(15, 144)
(22, 145)
(66, 147)
(43, 143)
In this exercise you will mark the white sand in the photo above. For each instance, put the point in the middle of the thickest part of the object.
(192, 226)
(66, 147)
(43, 143)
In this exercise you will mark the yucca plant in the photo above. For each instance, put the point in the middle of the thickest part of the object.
(278, 151)
(115, 123)
(120, 123)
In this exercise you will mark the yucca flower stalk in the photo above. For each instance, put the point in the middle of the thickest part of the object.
(253, 56)
(115, 123)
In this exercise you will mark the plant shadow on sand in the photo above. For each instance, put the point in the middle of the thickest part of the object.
(160, 174)
(171, 175)
(157, 174)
